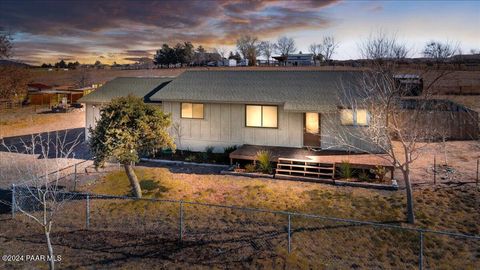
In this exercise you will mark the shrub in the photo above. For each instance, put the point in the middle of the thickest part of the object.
(208, 154)
(346, 170)
(209, 150)
(264, 164)
(229, 149)
(250, 168)
(191, 157)
(380, 172)
(363, 176)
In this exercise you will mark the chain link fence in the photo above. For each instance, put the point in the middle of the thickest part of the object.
(211, 234)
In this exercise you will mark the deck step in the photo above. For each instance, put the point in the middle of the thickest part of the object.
(303, 172)
(298, 177)
(304, 166)
(290, 167)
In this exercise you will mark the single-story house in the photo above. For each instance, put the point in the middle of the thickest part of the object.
(224, 108)
(300, 59)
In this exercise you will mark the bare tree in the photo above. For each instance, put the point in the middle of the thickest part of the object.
(5, 45)
(267, 48)
(82, 78)
(39, 196)
(390, 123)
(178, 133)
(439, 51)
(222, 51)
(249, 48)
(474, 51)
(382, 46)
(329, 45)
(316, 50)
(285, 46)
(13, 82)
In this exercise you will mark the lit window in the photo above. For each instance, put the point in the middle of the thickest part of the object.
(269, 116)
(311, 123)
(261, 116)
(346, 117)
(354, 117)
(192, 110)
(362, 117)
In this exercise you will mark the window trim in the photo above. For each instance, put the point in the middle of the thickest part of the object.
(203, 110)
(354, 115)
(261, 115)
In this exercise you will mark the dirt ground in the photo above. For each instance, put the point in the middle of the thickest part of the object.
(461, 158)
(31, 119)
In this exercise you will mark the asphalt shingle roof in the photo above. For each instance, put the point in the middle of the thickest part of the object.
(297, 90)
(123, 86)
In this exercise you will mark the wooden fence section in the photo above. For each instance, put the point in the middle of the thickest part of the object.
(446, 120)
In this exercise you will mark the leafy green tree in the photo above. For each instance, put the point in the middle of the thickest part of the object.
(128, 128)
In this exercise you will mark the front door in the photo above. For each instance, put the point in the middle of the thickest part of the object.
(311, 130)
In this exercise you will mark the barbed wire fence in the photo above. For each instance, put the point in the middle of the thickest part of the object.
(220, 234)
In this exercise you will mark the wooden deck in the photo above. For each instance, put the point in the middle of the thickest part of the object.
(363, 161)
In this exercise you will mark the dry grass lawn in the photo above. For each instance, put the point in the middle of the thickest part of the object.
(140, 234)
(259, 240)
(440, 208)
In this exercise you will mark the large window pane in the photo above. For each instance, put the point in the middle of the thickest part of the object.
(269, 116)
(192, 110)
(346, 117)
(362, 117)
(254, 116)
(197, 111)
(187, 110)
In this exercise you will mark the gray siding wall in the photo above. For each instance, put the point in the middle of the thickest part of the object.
(332, 130)
(92, 114)
(224, 125)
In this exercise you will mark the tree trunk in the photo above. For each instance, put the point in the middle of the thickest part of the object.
(137, 191)
(410, 213)
(445, 155)
(51, 261)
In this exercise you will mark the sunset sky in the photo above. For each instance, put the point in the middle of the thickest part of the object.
(121, 31)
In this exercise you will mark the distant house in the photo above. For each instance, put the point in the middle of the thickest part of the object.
(295, 59)
(41, 94)
(203, 58)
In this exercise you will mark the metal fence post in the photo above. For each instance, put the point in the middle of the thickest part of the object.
(75, 178)
(478, 161)
(87, 212)
(420, 255)
(14, 203)
(289, 233)
(180, 230)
